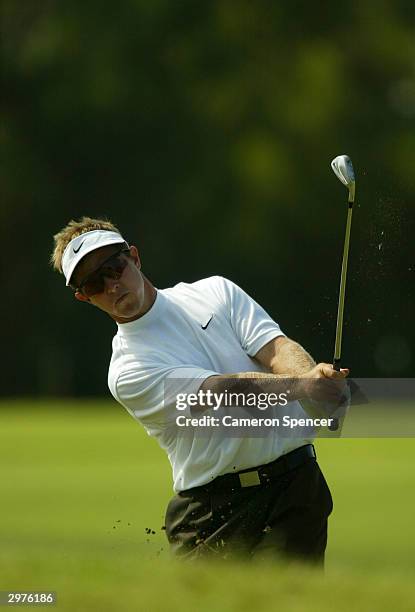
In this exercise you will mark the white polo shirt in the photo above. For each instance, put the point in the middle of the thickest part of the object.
(191, 332)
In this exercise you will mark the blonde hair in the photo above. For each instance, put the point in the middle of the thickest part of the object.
(71, 231)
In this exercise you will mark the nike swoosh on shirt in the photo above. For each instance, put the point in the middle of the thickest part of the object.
(79, 248)
(206, 324)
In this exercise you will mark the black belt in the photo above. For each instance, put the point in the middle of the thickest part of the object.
(263, 474)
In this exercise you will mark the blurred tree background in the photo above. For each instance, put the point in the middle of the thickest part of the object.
(205, 131)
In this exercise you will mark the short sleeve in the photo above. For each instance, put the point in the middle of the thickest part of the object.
(150, 393)
(251, 323)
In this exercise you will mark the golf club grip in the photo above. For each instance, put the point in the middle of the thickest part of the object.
(336, 364)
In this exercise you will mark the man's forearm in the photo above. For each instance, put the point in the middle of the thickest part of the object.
(291, 359)
(255, 382)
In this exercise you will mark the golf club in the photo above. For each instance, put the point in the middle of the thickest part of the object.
(343, 169)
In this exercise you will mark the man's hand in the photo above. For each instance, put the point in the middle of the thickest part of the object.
(324, 384)
(325, 370)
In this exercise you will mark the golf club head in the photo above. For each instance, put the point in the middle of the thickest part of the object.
(343, 169)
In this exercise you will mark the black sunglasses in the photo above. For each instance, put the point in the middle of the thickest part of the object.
(113, 267)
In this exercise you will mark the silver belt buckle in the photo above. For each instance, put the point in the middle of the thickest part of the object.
(249, 479)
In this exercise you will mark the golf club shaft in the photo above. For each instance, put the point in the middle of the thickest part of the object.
(342, 292)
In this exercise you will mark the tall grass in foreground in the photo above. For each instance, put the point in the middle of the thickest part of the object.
(82, 484)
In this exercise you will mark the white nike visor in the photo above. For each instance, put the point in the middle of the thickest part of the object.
(84, 244)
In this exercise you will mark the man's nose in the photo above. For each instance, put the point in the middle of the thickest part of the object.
(111, 284)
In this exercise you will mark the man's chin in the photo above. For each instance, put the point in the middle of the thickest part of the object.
(126, 307)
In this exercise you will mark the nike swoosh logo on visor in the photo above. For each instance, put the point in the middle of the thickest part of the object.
(206, 324)
(79, 248)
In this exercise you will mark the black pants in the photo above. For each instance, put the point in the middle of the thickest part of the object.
(286, 517)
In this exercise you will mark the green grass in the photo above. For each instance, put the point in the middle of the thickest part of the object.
(82, 481)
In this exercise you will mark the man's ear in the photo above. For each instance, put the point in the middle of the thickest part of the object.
(134, 254)
(81, 297)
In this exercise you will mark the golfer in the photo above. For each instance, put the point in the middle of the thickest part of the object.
(234, 495)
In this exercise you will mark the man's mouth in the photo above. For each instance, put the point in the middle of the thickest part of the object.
(120, 298)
